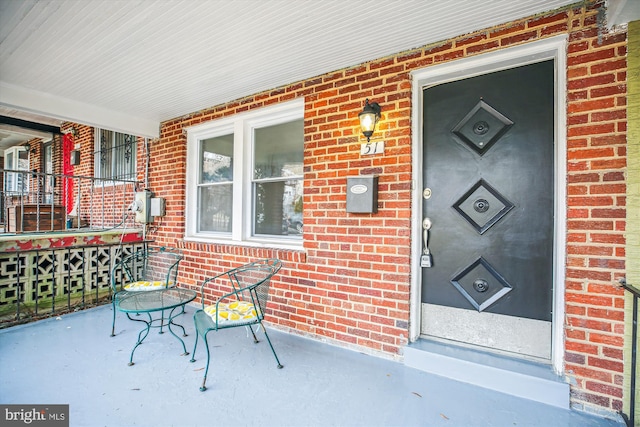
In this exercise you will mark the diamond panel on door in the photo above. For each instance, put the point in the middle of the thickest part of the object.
(481, 284)
(482, 127)
(482, 206)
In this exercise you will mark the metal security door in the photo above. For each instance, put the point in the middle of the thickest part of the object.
(488, 207)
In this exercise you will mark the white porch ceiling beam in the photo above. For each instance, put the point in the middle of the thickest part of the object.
(65, 109)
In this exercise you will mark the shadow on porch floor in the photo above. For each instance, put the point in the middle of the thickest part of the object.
(72, 360)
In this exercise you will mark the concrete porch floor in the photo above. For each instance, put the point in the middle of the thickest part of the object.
(72, 360)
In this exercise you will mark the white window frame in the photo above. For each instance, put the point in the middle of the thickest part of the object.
(16, 183)
(242, 126)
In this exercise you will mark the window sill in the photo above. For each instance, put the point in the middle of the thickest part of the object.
(253, 243)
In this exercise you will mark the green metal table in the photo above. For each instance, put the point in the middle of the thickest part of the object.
(152, 302)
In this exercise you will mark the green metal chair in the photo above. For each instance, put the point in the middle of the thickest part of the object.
(244, 306)
(147, 269)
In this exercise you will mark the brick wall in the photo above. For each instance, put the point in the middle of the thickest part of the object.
(633, 200)
(351, 283)
(93, 195)
(596, 141)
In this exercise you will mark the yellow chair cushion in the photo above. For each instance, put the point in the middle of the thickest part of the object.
(233, 312)
(145, 285)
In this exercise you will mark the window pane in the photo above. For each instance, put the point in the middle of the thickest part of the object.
(23, 160)
(278, 150)
(124, 152)
(278, 207)
(105, 153)
(215, 208)
(116, 155)
(16, 158)
(47, 157)
(10, 178)
(8, 159)
(216, 159)
(47, 160)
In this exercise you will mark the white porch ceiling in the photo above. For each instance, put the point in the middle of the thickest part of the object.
(128, 65)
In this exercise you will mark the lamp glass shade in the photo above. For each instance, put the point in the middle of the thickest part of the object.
(368, 118)
(368, 122)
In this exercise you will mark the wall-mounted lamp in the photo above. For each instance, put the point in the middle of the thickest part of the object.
(368, 118)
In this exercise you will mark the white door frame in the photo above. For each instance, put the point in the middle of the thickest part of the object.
(551, 48)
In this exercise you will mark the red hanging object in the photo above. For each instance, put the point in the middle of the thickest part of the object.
(68, 144)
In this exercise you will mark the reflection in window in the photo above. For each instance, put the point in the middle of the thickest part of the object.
(16, 183)
(47, 161)
(215, 208)
(277, 179)
(216, 184)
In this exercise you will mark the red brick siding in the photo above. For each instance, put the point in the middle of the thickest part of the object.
(351, 283)
(115, 198)
(596, 155)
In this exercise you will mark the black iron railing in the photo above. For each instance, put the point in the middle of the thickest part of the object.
(34, 202)
(41, 283)
(634, 346)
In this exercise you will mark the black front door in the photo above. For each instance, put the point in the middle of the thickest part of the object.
(488, 208)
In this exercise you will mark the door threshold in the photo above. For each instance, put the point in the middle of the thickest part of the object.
(523, 378)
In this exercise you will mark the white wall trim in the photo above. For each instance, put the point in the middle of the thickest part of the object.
(66, 109)
(551, 48)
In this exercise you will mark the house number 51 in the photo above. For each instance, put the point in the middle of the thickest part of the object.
(369, 148)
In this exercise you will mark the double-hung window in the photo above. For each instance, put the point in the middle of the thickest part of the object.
(115, 155)
(245, 177)
(17, 159)
(47, 167)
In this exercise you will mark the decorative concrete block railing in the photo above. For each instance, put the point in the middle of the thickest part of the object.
(45, 276)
